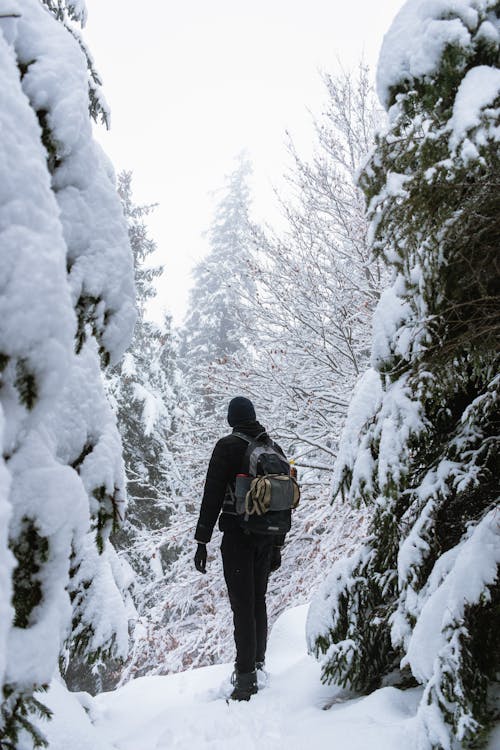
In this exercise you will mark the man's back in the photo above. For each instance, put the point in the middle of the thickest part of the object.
(225, 463)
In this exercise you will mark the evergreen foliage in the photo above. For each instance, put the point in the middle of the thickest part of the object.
(421, 440)
(73, 14)
(17, 714)
(212, 331)
(144, 390)
(62, 589)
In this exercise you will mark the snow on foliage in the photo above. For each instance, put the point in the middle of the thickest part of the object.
(352, 455)
(419, 35)
(66, 305)
(94, 231)
(143, 390)
(479, 88)
(457, 581)
(420, 600)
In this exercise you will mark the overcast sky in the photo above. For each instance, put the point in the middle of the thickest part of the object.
(190, 84)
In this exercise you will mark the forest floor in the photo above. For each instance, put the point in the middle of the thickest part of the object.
(188, 711)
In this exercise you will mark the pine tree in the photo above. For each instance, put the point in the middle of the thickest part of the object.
(212, 330)
(67, 310)
(142, 389)
(147, 395)
(142, 384)
(421, 442)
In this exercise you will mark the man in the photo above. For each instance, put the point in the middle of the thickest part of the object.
(247, 558)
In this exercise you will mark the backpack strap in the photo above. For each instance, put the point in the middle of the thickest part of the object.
(244, 437)
(229, 504)
(249, 439)
(252, 441)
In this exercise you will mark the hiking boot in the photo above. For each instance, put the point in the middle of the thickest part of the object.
(244, 685)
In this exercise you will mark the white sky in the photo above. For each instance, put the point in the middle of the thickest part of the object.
(190, 84)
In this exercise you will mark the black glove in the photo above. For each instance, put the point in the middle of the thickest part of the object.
(275, 559)
(200, 558)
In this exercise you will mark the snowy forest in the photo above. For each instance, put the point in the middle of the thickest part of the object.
(364, 327)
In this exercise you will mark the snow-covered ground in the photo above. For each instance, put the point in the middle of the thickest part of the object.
(188, 711)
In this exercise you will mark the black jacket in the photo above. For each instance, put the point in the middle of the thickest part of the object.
(225, 463)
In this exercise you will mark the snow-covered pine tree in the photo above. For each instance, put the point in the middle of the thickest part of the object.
(142, 391)
(212, 330)
(145, 399)
(422, 596)
(150, 399)
(66, 308)
(146, 391)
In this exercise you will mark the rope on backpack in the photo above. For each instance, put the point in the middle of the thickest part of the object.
(255, 500)
(258, 498)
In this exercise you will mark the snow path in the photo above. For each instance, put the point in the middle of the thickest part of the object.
(186, 711)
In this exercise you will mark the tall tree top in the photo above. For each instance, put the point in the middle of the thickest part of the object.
(222, 279)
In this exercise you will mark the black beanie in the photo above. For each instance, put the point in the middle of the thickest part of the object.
(240, 410)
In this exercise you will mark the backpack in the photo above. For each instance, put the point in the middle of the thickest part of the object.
(265, 492)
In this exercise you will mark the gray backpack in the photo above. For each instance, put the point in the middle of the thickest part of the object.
(265, 492)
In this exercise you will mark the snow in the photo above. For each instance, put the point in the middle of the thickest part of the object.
(390, 330)
(398, 415)
(187, 710)
(412, 51)
(419, 34)
(99, 596)
(37, 329)
(59, 443)
(129, 368)
(78, 9)
(478, 89)
(94, 230)
(33, 250)
(71, 727)
(324, 608)
(488, 32)
(36, 493)
(364, 405)
(473, 566)
(153, 407)
(395, 184)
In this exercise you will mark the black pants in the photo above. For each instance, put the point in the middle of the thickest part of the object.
(246, 559)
